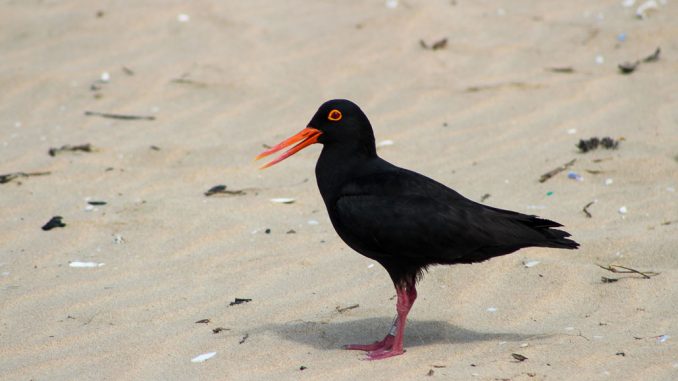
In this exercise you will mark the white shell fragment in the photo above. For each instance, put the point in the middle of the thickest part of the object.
(282, 200)
(662, 338)
(105, 76)
(79, 264)
(623, 210)
(641, 11)
(203, 357)
(182, 17)
(313, 222)
(531, 263)
(385, 143)
(491, 309)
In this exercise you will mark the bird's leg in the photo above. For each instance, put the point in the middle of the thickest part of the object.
(406, 297)
(387, 342)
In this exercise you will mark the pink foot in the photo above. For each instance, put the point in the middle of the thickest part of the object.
(387, 343)
(383, 354)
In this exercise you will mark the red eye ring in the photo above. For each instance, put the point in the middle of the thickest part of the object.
(334, 115)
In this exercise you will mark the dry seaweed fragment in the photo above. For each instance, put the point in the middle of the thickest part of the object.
(244, 338)
(440, 44)
(586, 209)
(54, 222)
(344, 309)
(561, 69)
(239, 301)
(518, 357)
(629, 67)
(11, 176)
(556, 171)
(119, 116)
(221, 189)
(81, 147)
(607, 142)
(654, 56)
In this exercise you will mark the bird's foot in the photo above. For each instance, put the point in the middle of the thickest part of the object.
(383, 345)
(385, 353)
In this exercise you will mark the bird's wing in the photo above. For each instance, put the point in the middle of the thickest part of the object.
(409, 215)
(413, 216)
(409, 226)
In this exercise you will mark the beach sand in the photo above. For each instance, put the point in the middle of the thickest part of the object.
(507, 99)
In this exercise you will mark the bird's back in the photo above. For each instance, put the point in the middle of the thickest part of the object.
(393, 214)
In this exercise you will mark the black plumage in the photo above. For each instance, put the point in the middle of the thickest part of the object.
(401, 219)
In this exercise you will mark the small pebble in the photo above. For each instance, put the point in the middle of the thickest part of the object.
(105, 76)
(182, 17)
(600, 59)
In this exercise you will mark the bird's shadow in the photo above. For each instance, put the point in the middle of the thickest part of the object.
(331, 335)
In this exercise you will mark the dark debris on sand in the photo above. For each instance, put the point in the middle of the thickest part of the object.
(14, 175)
(239, 301)
(54, 222)
(82, 147)
(221, 190)
(440, 44)
(586, 145)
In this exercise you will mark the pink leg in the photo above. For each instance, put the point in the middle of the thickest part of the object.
(392, 344)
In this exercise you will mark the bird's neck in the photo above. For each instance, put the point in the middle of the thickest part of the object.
(338, 164)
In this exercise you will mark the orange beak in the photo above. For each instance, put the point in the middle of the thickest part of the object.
(305, 137)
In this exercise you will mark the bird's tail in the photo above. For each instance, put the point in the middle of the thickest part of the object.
(552, 237)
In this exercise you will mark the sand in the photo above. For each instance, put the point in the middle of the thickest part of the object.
(485, 115)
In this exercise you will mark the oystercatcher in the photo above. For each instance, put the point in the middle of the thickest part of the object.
(401, 219)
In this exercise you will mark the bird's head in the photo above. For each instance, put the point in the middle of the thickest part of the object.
(337, 122)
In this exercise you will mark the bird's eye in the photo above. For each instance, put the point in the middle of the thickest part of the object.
(334, 115)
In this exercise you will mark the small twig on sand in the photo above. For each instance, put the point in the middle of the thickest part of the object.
(627, 270)
(119, 116)
(586, 209)
(341, 310)
(556, 171)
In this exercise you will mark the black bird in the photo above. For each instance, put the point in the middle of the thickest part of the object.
(401, 219)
